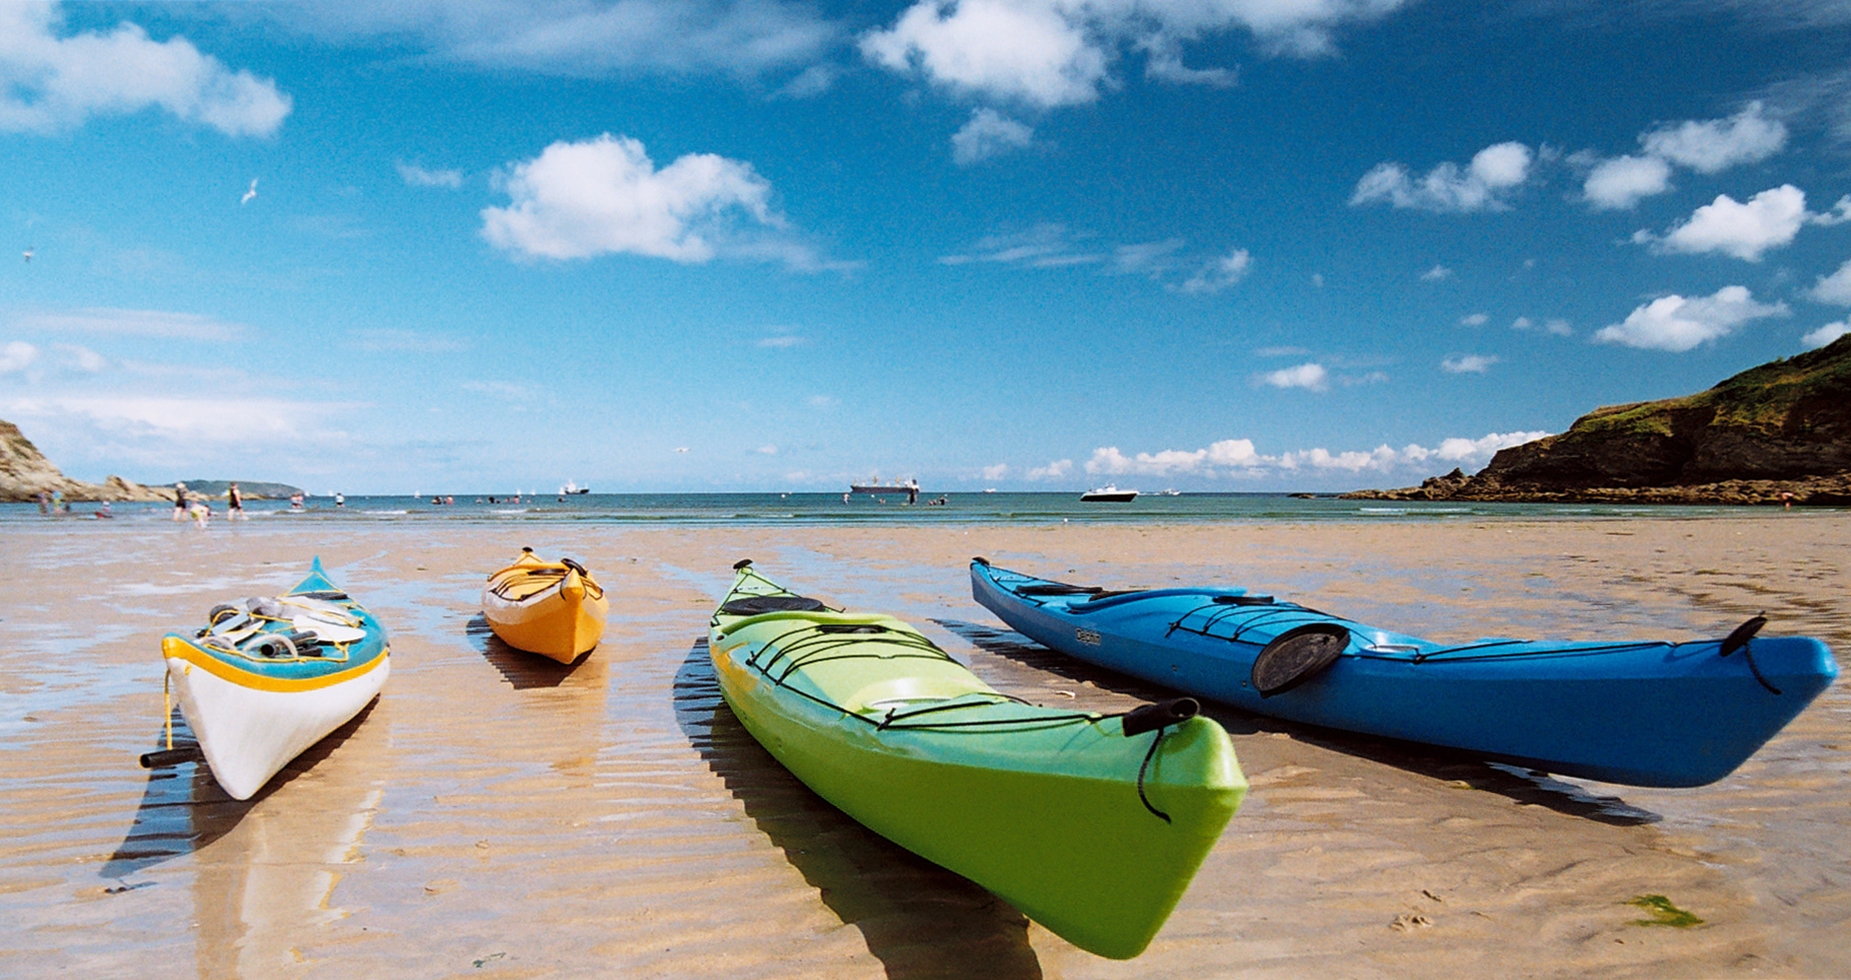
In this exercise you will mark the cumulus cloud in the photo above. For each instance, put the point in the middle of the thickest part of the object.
(1715, 145)
(1438, 273)
(1674, 323)
(1706, 146)
(605, 195)
(16, 356)
(1310, 375)
(80, 357)
(1051, 53)
(996, 472)
(1238, 458)
(50, 83)
(1469, 363)
(988, 134)
(1619, 183)
(1219, 273)
(1494, 172)
(1834, 288)
(417, 176)
(1053, 471)
(1770, 219)
(1826, 334)
(1474, 320)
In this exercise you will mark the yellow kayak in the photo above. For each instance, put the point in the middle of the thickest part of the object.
(552, 608)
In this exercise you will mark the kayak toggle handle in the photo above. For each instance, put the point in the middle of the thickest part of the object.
(1738, 640)
(1150, 717)
(979, 559)
(742, 564)
(171, 757)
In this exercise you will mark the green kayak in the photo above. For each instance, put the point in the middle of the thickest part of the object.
(1090, 824)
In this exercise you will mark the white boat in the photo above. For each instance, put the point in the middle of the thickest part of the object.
(270, 677)
(1108, 494)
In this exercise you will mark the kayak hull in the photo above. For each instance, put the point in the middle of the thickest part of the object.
(252, 715)
(1640, 713)
(549, 608)
(1041, 806)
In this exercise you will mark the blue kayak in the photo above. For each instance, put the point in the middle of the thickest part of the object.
(1646, 713)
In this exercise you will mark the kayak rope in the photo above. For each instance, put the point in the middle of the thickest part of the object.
(167, 702)
(537, 580)
(1147, 757)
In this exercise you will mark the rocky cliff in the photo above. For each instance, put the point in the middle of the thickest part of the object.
(25, 473)
(1775, 432)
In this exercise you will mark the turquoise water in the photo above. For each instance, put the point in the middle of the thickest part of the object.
(711, 509)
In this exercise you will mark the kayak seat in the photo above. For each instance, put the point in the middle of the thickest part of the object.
(757, 605)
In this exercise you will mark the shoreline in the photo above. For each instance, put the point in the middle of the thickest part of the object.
(612, 817)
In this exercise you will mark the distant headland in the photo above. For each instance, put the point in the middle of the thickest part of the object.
(1777, 433)
(25, 473)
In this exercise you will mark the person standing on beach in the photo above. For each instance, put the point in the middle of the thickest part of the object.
(234, 503)
(179, 501)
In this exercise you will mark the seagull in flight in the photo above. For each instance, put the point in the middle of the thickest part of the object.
(681, 449)
(30, 251)
(246, 199)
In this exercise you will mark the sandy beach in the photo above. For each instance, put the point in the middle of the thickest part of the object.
(498, 815)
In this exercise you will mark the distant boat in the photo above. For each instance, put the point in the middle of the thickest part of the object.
(1108, 494)
(571, 487)
(1171, 492)
(910, 486)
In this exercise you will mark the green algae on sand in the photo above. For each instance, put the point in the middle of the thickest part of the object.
(1663, 913)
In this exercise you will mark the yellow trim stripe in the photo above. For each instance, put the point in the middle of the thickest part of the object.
(175, 648)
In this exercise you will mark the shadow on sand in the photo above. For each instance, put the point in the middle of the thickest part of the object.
(183, 809)
(523, 671)
(1519, 784)
(918, 919)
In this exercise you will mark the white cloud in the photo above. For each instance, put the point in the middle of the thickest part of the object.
(1146, 258)
(1715, 145)
(1469, 363)
(17, 355)
(584, 38)
(1310, 376)
(1237, 458)
(1059, 52)
(77, 356)
(1219, 273)
(1229, 454)
(1032, 52)
(604, 195)
(50, 83)
(1474, 320)
(1480, 186)
(133, 323)
(1053, 471)
(1558, 327)
(385, 339)
(1522, 323)
(218, 422)
(997, 472)
(1826, 334)
(767, 449)
(417, 176)
(1770, 219)
(1674, 323)
(1834, 288)
(988, 134)
(1458, 450)
(822, 401)
(1438, 273)
(1045, 246)
(1619, 183)
(783, 341)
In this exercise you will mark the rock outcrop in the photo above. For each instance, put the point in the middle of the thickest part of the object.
(25, 473)
(1774, 433)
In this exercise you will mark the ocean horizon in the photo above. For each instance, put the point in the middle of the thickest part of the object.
(1000, 508)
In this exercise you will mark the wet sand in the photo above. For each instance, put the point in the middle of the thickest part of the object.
(496, 814)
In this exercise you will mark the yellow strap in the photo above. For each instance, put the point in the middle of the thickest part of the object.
(167, 701)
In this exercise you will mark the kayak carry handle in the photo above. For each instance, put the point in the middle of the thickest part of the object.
(1150, 717)
(979, 559)
(742, 564)
(1738, 640)
(575, 566)
(167, 758)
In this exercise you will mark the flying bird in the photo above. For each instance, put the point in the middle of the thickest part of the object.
(30, 251)
(246, 199)
(681, 449)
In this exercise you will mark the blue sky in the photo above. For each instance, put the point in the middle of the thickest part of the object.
(1037, 244)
